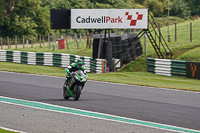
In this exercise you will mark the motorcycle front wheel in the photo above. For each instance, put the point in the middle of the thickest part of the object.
(77, 92)
(65, 94)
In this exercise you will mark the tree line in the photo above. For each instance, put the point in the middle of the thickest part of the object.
(32, 17)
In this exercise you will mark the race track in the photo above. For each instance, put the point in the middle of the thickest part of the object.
(166, 106)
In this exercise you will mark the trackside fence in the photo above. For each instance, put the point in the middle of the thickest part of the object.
(53, 59)
(173, 67)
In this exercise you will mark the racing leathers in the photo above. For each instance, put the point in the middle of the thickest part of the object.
(72, 68)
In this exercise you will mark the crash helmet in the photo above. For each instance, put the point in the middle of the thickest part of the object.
(79, 63)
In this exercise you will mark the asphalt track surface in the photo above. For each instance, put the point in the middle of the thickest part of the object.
(166, 106)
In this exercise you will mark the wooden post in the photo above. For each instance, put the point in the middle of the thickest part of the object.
(76, 39)
(83, 36)
(15, 41)
(175, 33)
(7, 41)
(88, 39)
(31, 41)
(1, 44)
(10, 43)
(49, 41)
(66, 41)
(55, 38)
(80, 37)
(43, 40)
(40, 42)
(74, 36)
(23, 41)
(91, 40)
(190, 31)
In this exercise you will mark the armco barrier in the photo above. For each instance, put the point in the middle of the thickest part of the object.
(52, 59)
(174, 67)
(166, 67)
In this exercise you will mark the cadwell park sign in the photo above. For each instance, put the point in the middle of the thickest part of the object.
(106, 19)
(109, 18)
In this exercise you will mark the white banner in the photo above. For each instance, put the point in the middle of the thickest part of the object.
(109, 18)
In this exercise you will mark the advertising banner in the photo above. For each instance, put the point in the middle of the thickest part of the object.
(109, 18)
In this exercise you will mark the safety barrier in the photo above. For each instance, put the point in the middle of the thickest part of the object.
(166, 67)
(53, 59)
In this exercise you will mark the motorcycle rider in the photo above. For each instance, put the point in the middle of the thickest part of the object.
(78, 65)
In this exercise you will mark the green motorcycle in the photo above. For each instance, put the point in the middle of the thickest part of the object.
(74, 86)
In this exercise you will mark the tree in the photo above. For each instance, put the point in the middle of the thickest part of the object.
(194, 6)
(56, 4)
(120, 4)
(81, 4)
(155, 6)
(180, 8)
(25, 17)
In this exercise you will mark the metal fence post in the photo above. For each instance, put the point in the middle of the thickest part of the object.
(145, 43)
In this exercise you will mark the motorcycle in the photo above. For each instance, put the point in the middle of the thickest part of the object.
(75, 85)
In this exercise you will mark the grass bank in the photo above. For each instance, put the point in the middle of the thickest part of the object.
(135, 78)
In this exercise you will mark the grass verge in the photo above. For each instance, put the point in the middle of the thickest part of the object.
(5, 131)
(134, 78)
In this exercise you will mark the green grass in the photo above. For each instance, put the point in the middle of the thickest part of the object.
(136, 78)
(5, 131)
(34, 69)
(82, 51)
(191, 55)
